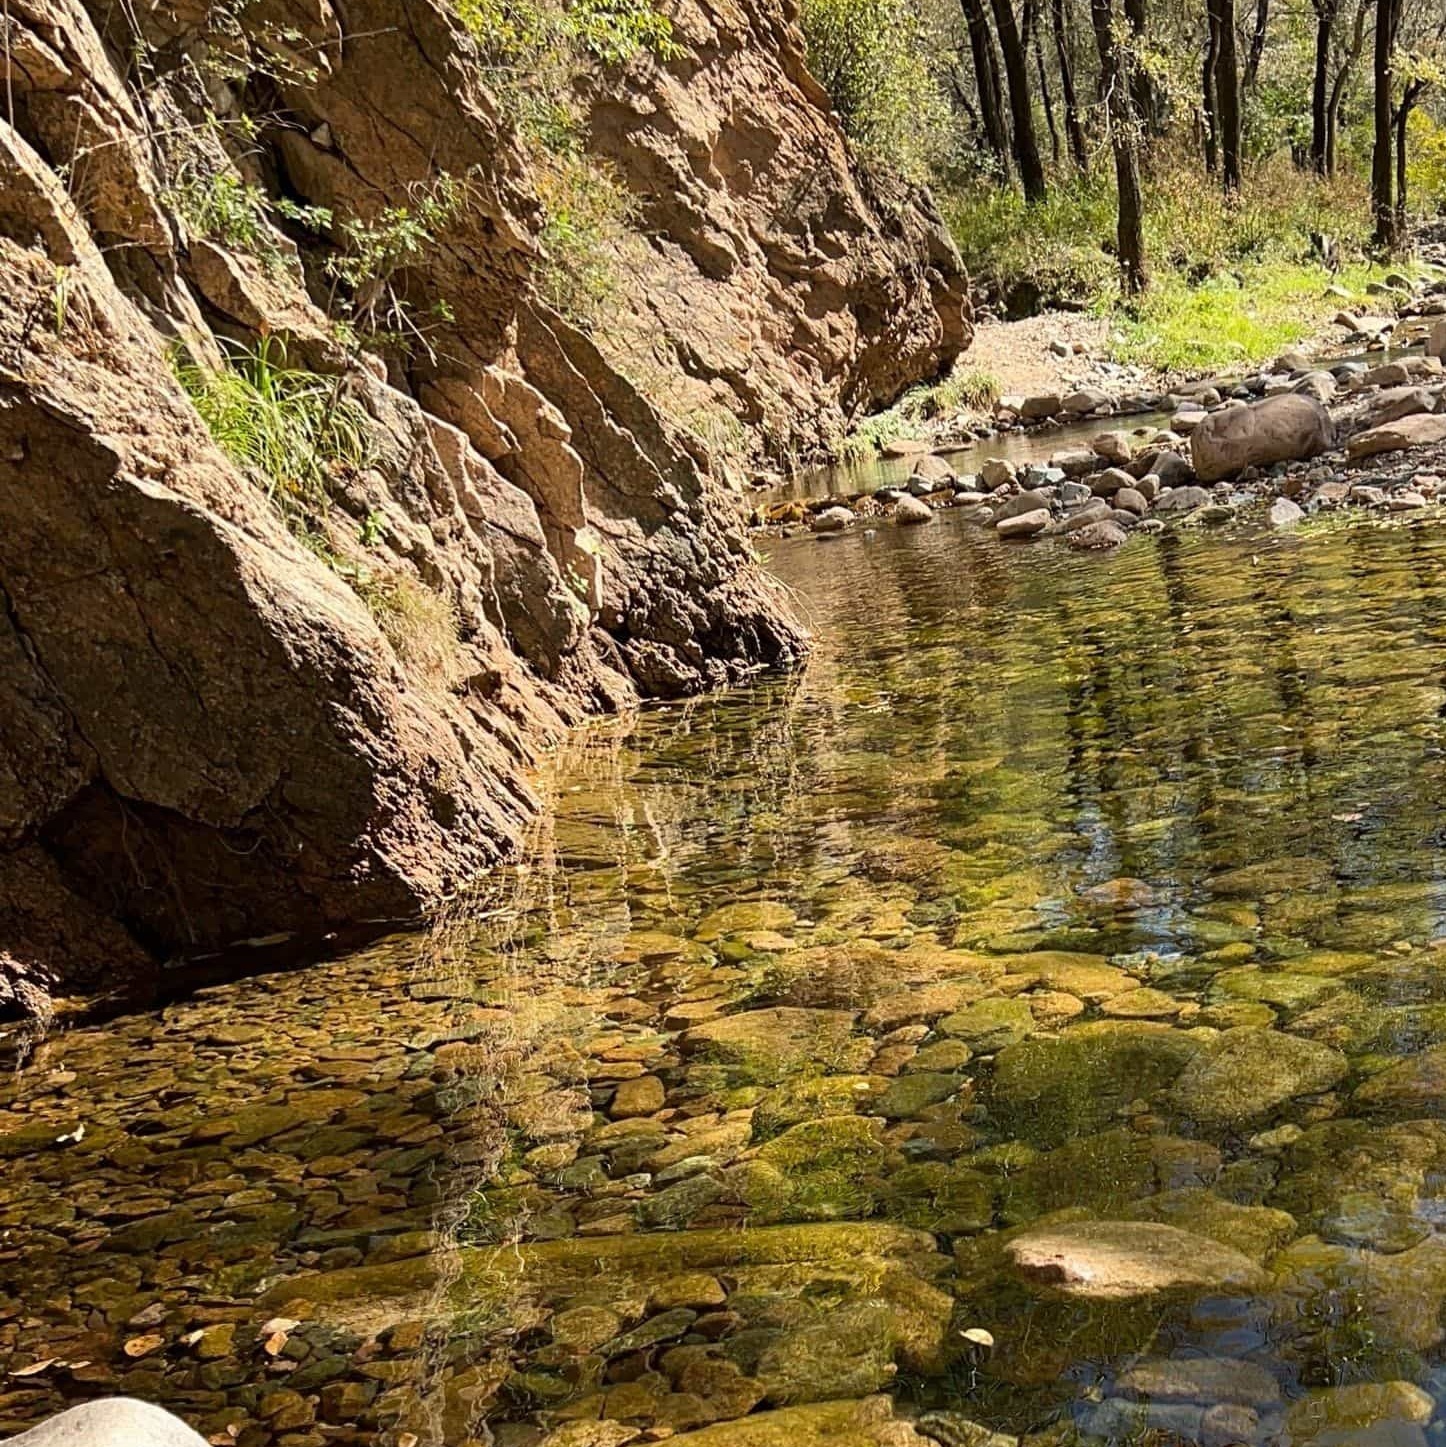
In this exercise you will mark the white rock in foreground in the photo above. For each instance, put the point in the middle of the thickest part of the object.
(114, 1422)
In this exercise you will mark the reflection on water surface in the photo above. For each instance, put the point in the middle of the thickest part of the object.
(1055, 961)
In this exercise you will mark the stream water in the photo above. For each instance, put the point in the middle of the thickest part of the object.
(1058, 960)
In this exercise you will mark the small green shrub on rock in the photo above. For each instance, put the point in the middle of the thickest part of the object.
(283, 426)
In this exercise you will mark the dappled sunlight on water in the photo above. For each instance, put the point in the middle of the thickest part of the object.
(1032, 1016)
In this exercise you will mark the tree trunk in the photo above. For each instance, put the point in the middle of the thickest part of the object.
(1257, 43)
(1209, 120)
(1342, 79)
(1032, 29)
(986, 78)
(1325, 19)
(1227, 93)
(1021, 110)
(1123, 126)
(1073, 130)
(1409, 97)
(1142, 88)
(1382, 201)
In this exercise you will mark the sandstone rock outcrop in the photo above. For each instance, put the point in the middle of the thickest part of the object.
(216, 726)
(779, 275)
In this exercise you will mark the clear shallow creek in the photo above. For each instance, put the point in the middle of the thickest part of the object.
(1058, 961)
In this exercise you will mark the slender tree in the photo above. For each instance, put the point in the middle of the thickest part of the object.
(1257, 43)
(1388, 16)
(1074, 131)
(1209, 116)
(1340, 81)
(1227, 92)
(1122, 123)
(1142, 88)
(1021, 106)
(1411, 94)
(986, 80)
(1320, 118)
(1035, 46)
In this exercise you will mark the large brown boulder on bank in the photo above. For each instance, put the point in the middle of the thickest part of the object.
(1287, 428)
(210, 733)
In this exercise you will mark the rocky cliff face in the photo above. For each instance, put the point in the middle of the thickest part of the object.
(784, 291)
(223, 719)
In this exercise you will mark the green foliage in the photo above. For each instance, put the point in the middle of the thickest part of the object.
(869, 56)
(531, 33)
(218, 204)
(876, 432)
(371, 254)
(963, 390)
(1230, 320)
(397, 236)
(588, 215)
(1236, 280)
(286, 428)
(1426, 163)
(537, 48)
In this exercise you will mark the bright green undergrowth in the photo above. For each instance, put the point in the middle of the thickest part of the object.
(1233, 281)
(284, 426)
(1240, 319)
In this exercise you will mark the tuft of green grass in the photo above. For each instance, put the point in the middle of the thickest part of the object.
(283, 426)
(418, 622)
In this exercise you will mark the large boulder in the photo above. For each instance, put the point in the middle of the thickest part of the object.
(209, 736)
(1436, 342)
(1287, 428)
(1022, 503)
(1245, 1074)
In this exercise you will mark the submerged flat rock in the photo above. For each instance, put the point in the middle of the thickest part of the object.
(869, 1422)
(1246, 1073)
(1121, 1260)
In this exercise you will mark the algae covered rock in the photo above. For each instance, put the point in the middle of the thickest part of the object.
(1288, 990)
(735, 919)
(1245, 1074)
(866, 1423)
(1395, 1301)
(990, 1025)
(845, 1353)
(776, 1042)
(1104, 1173)
(1200, 1379)
(1414, 1087)
(830, 1168)
(1254, 1231)
(1049, 1089)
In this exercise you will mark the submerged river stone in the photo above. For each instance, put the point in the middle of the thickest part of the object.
(1414, 1087)
(1050, 1089)
(775, 1042)
(991, 1025)
(1200, 1379)
(1121, 1260)
(869, 1422)
(1246, 1074)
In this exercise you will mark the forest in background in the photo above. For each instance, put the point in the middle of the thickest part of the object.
(1218, 176)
